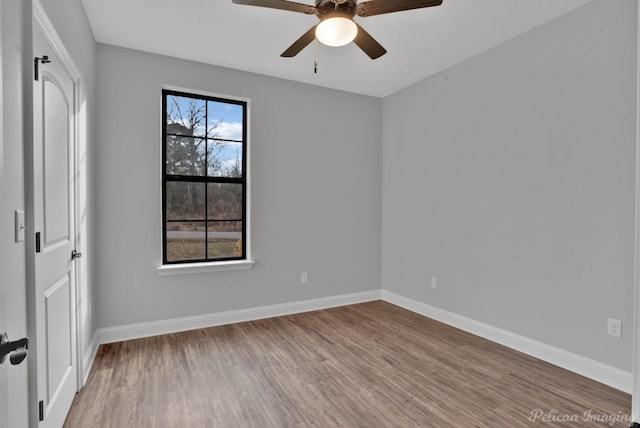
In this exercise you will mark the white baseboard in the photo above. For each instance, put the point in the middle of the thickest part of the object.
(89, 357)
(155, 328)
(595, 370)
(592, 369)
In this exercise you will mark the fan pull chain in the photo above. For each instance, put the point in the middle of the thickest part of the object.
(315, 56)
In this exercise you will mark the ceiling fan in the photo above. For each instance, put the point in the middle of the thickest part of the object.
(337, 27)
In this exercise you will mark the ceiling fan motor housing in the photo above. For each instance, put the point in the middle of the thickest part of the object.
(331, 8)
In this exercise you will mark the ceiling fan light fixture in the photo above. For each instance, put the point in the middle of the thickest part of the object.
(336, 31)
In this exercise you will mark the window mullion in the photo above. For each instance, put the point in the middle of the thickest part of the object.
(206, 184)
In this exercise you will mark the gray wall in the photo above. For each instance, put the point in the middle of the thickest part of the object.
(79, 42)
(316, 200)
(510, 177)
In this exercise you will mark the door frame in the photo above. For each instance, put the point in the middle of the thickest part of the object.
(42, 23)
(635, 397)
(4, 384)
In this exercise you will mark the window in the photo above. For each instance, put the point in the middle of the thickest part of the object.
(204, 182)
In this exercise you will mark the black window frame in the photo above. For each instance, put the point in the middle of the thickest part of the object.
(204, 178)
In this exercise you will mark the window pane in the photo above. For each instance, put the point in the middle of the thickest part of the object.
(185, 155)
(185, 201)
(224, 201)
(225, 159)
(185, 241)
(225, 239)
(225, 121)
(185, 116)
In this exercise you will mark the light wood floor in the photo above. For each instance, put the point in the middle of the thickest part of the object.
(366, 365)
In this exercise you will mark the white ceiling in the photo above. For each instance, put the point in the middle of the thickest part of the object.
(419, 42)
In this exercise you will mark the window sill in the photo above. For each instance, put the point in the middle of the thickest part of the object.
(188, 268)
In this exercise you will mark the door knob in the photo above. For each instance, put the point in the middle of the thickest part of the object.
(17, 349)
(75, 255)
(18, 356)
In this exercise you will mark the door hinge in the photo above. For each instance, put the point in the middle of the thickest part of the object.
(37, 242)
(41, 411)
(44, 59)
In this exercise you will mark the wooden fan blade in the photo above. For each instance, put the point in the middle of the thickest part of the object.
(280, 4)
(300, 44)
(378, 7)
(368, 44)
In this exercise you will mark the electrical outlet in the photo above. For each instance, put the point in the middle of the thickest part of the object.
(434, 282)
(304, 278)
(614, 327)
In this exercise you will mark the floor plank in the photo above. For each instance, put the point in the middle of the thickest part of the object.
(367, 365)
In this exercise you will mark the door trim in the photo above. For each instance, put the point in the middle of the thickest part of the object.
(42, 21)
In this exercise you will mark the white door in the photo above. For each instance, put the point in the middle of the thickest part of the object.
(53, 154)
